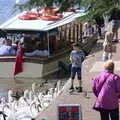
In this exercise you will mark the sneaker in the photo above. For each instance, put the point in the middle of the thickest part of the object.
(71, 88)
(79, 89)
(115, 40)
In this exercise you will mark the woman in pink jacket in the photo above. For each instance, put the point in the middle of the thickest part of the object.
(106, 87)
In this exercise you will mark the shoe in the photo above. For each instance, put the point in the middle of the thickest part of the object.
(115, 40)
(71, 88)
(79, 89)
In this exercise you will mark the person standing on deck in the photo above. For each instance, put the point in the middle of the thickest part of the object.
(76, 57)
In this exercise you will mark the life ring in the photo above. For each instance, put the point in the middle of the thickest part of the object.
(28, 16)
(51, 17)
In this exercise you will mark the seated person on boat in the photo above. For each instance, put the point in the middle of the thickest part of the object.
(6, 48)
(88, 30)
(38, 49)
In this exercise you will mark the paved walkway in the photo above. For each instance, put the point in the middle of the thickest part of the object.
(91, 67)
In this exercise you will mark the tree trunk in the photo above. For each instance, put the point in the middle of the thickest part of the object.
(106, 21)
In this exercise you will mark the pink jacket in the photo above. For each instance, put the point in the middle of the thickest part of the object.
(106, 87)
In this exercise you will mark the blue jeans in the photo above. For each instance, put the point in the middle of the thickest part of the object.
(115, 25)
(106, 56)
(75, 70)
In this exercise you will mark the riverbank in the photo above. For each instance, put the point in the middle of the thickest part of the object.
(92, 65)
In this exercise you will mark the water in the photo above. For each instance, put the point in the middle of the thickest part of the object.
(6, 10)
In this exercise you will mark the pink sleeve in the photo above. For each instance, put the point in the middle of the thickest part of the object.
(117, 78)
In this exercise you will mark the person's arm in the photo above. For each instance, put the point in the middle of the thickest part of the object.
(71, 57)
(117, 83)
(83, 55)
(94, 86)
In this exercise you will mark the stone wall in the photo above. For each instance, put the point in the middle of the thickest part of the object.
(88, 44)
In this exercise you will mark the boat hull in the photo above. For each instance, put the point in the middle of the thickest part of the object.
(32, 67)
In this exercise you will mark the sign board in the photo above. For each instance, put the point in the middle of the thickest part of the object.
(69, 112)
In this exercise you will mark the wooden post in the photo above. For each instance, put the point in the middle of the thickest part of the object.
(73, 35)
(48, 39)
(66, 28)
(81, 31)
(61, 33)
(65, 32)
(71, 27)
(59, 29)
(69, 32)
(77, 32)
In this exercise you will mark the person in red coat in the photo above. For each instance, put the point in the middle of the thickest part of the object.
(19, 60)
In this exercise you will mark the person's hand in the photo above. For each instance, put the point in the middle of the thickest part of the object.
(71, 59)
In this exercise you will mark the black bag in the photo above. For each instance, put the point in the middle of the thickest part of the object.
(96, 108)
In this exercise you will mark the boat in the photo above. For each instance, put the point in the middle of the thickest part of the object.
(56, 37)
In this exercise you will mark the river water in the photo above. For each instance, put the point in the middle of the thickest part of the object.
(6, 10)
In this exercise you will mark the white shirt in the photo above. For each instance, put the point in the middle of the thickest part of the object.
(6, 50)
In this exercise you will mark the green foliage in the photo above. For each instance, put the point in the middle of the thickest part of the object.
(29, 5)
(62, 4)
(99, 7)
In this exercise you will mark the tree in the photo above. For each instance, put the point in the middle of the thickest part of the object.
(101, 8)
(62, 4)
